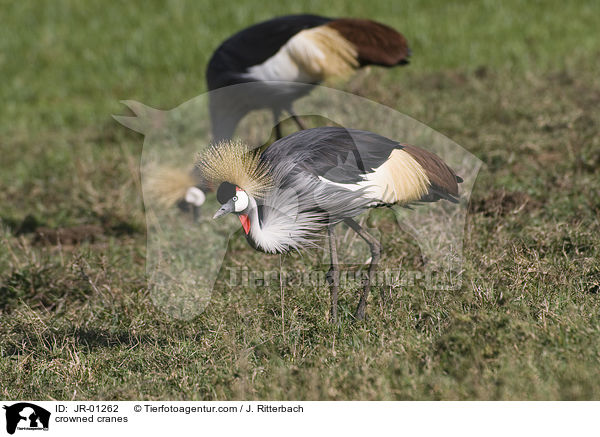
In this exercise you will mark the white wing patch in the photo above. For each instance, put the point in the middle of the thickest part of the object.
(312, 55)
(401, 179)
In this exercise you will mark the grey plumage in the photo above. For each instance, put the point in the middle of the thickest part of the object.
(293, 215)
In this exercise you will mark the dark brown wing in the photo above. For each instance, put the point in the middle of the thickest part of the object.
(444, 181)
(377, 44)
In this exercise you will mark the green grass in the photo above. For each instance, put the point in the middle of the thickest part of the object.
(515, 84)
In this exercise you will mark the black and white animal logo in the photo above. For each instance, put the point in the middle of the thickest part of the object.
(26, 416)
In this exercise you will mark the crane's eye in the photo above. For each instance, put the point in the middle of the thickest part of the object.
(241, 201)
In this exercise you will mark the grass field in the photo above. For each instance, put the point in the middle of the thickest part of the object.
(516, 84)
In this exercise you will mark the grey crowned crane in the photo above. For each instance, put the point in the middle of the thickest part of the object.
(306, 49)
(287, 196)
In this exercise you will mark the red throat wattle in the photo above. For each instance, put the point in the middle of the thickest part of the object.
(245, 222)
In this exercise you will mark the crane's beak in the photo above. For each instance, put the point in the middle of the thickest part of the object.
(227, 208)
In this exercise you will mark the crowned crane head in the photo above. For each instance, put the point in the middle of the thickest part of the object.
(234, 200)
(241, 176)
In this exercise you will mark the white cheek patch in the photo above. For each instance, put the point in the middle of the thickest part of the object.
(241, 202)
(195, 196)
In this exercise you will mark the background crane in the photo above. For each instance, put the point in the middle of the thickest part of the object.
(305, 49)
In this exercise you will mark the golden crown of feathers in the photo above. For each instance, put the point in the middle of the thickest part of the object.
(233, 162)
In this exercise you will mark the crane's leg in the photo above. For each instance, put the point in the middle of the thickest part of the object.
(276, 114)
(375, 247)
(297, 119)
(333, 276)
(196, 213)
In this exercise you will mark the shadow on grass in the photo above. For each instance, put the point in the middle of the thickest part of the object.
(88, 340)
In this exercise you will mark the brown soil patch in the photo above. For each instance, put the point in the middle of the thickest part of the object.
(68, 236)
(501, 203)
